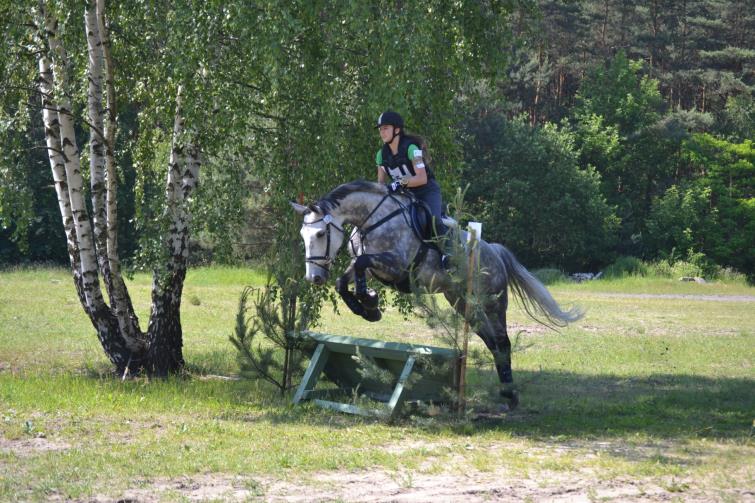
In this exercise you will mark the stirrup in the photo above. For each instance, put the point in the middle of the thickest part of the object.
(446, 263)
(448, 221)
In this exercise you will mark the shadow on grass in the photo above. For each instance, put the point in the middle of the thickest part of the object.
(552, 404)
(568, 405)
(667, 405)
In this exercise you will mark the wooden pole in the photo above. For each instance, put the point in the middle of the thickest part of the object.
(471, 265)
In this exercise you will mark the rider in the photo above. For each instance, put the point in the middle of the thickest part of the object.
(402, 160)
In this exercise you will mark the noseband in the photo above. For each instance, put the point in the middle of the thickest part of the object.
(328, 219)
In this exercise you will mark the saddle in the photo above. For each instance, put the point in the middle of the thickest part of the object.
(421, 220)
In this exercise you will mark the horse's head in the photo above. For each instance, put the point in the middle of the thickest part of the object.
(323, 236)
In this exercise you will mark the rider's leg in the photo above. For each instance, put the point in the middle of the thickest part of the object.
(431, 195)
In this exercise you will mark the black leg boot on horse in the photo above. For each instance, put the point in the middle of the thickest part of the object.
(367, 297)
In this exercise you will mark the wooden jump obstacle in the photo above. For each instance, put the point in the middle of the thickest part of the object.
(431, 369)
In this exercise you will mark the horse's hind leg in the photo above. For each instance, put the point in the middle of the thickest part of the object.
(497, 340)
(491, 327)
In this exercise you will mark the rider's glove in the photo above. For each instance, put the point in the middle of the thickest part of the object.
(395, 186)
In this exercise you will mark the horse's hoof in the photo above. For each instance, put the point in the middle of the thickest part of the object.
(372, 315)
(512, 396)
(369, 299)
(354, 305)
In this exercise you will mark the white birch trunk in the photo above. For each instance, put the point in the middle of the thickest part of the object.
(57, 165)
(96, 140)
(110, 176)
(183, 177)
(183, 172)
(102, 167)
(92, 293)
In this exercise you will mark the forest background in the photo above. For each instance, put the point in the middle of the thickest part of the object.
(586, 131)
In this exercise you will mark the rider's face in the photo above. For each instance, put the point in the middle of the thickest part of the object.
(386, 133)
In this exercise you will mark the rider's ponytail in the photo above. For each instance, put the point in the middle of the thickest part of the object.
(421, 142)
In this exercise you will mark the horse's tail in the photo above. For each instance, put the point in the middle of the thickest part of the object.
(535, 298)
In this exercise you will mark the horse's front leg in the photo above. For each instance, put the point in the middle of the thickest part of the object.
(342, 287)
(387, 266)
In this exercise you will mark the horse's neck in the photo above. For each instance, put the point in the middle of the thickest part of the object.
(357, 206)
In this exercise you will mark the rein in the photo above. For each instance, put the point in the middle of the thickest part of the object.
(402, 209)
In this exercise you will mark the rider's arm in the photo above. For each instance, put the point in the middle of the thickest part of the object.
(420, 173)
(381, 175)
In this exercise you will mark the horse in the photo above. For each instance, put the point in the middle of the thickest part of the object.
(386, 245)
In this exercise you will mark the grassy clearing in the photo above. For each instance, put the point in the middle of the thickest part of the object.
(655, 388)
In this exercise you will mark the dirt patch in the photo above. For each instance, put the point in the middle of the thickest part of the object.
(383, 486)
(515, 328)
(29, 446)
(198, 488)
(713, 298)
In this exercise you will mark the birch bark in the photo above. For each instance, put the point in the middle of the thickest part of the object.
(120, 292)
(165, 333)
(92, 293)
(57, 164)
(104, 178)
(96, 141)
(65, 163)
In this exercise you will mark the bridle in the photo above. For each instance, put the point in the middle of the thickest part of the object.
(324, 261)
(314, 259)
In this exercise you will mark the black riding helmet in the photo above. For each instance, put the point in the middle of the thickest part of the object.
(390, 118)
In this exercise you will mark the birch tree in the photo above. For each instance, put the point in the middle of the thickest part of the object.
(92, 239)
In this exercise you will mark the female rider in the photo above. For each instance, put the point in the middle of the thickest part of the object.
(402, 161)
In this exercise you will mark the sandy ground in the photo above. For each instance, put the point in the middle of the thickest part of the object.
(385, 486)
(713, 298)
(380, 486)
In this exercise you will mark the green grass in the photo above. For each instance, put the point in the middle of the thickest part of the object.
(645, 388)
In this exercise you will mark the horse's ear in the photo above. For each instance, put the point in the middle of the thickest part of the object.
(301, 210)
(315, 209)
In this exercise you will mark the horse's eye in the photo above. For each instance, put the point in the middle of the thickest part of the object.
(320, 234)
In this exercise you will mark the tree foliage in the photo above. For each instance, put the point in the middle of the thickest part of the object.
(712, 212)
(527, 186)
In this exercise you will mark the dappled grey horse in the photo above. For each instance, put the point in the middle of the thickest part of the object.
(386, 245)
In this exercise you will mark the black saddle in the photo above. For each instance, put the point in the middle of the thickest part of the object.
(421, 219)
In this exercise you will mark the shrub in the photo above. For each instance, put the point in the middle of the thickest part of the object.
(529, 190)
(549, 276)
(626, 266)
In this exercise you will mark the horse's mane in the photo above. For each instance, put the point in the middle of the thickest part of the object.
(333, 198)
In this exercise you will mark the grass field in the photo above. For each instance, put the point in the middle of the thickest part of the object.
(649, 397)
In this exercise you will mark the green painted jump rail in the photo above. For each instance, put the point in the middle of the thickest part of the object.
(432, 369)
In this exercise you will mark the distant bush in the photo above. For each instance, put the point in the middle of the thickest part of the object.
(676, 269)
(549, 276)
(693, 265)
(626, 266)
(732, 276)
(526, 185)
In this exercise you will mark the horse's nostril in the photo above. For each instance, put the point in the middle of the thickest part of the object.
(318, 280)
